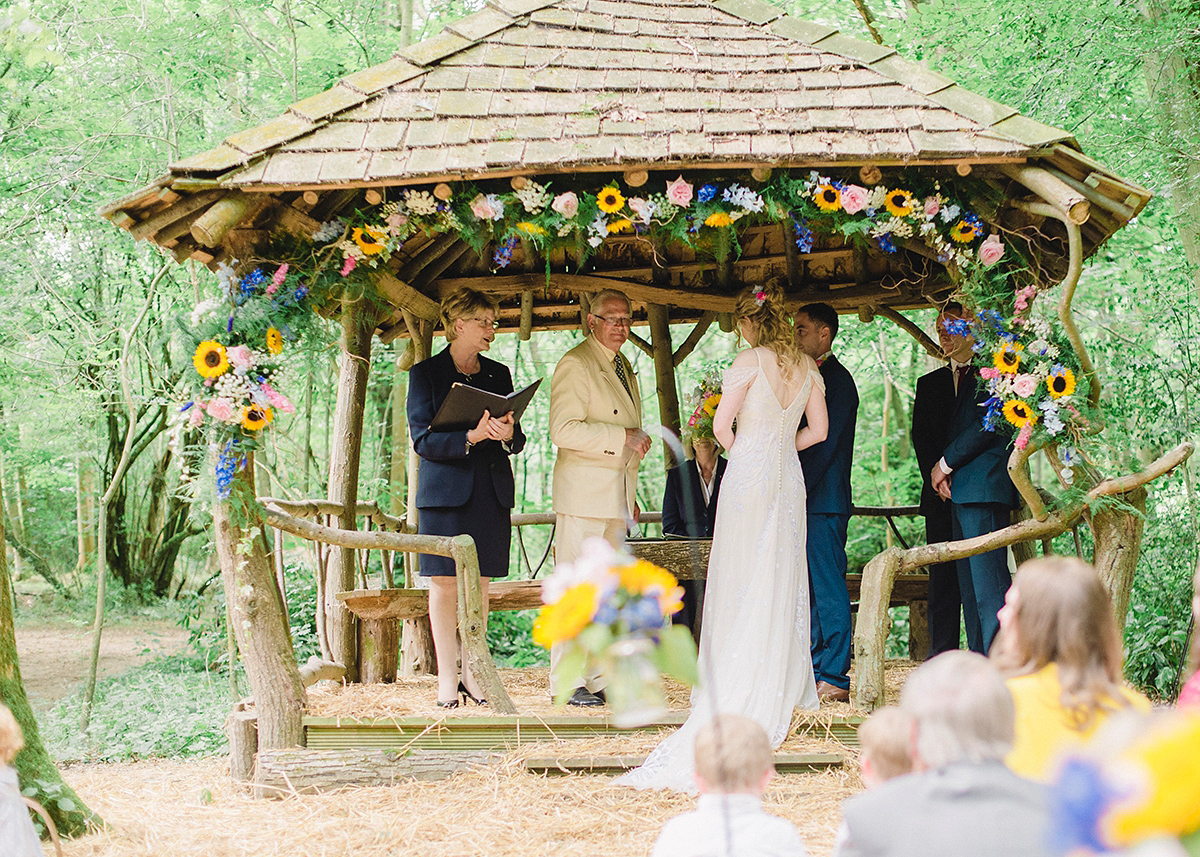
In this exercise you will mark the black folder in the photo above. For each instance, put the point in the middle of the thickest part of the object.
(464, 405)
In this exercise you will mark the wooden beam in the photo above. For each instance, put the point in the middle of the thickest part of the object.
(148, 227)
(664, 375)
(693, 338)
(224, 214)
(645, 347)
(429, 276)
(513, 284)
(1073, 204)
(526, 329)
(400, 294)
(933, 349)
(427, 255)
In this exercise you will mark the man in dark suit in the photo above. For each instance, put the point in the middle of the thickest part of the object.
(690, 510)
(827, 482)
(972, 474)
(961, 799)
(933, 411)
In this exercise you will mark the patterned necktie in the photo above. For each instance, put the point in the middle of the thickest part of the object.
(619, 366)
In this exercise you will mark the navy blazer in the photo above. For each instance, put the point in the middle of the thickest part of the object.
(932, 415)
(827, 464)
(446, 475)
(977, 457)
(683, 511)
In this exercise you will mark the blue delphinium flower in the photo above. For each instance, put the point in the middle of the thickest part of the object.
(503, 254)
(957, 326)
(994, 412)
(885, 243)
(606, 614)
(706, 193)
(804, 235)
(642, 613)
(227, 465)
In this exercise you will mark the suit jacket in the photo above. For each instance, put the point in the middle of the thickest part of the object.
(978, 808)
(595, 473)
(977, 457)
(447, 473)
(683, 511)
(933, 412)
(827, 464)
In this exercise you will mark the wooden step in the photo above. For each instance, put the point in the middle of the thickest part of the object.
(785, 763)
(503, 732)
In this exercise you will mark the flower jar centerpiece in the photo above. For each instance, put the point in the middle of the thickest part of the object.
(616, 609)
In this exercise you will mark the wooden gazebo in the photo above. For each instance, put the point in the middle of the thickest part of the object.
(636, 92)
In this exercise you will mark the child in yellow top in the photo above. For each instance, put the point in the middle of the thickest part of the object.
(1060, 648)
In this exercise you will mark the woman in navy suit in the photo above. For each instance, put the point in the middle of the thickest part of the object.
(465, 481)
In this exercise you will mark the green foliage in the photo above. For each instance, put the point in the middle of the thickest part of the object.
(510, 640)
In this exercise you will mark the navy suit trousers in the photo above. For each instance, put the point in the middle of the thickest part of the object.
(829, 600)
(983, 579)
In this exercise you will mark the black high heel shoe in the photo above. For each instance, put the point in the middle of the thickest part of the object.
(451, 704)
(466, 694)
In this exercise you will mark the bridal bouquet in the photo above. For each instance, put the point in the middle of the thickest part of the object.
(704, 400)
(616, 609)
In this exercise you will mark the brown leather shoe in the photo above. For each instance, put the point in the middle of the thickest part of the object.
(827, 692)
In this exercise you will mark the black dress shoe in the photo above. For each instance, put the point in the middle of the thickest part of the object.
(584, 697)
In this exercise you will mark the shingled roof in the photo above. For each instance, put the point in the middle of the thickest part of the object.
(543, 87)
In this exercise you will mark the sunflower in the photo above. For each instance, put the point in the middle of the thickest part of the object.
(566, 617)
(209, 359)
(710, 404)
(1019, 413)
(964, 232)
(828, 197)
(1061, 382)
(622, 225)
(646, 578)
(1007, 358)
(274, 340)
(255, 417)
(610, 200)
(718, 219)
(370, 241)
(530, 228)
(899, 203)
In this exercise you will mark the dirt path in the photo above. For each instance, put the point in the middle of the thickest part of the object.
(54, 656)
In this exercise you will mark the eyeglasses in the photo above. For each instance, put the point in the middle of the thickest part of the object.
(485, 322)
(619, 321)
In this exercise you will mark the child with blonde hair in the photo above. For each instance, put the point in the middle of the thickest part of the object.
(885, 745)
(16, 828)
(734, 763)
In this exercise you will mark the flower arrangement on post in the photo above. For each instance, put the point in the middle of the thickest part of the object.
(616, 609)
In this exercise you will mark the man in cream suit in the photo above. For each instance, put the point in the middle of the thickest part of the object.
(596, 423)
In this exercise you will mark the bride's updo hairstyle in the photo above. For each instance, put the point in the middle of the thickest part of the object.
(762, 306)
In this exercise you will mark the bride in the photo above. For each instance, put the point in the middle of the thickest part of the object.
(754, 645)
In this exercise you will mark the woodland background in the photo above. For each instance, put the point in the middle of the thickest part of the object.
(97, 97)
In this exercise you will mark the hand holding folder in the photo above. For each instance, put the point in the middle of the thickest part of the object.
(464, 406)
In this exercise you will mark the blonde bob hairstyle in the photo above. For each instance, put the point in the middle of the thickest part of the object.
(733, 754)
(1063, 616)
(11, 739)
(762, 306)
(465, 303)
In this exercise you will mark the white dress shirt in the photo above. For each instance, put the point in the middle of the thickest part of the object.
(750, 832)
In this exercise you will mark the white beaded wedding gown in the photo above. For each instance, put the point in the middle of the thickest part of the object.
(754, 645)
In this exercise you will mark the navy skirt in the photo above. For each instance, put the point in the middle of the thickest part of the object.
(482, 518)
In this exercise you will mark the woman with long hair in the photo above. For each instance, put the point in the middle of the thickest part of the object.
(754, 642)
(1060, 649)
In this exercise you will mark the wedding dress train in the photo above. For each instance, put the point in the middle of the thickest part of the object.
(754, 646)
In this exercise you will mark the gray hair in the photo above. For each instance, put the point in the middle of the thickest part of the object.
(603, 295)
(962, 709)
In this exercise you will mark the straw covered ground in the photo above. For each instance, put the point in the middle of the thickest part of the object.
(191, 808)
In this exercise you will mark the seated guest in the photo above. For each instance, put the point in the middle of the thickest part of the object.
(690, 510)
(961, 798)
(883, 746)
(16, 828)
(733, 766)
(1060, 647)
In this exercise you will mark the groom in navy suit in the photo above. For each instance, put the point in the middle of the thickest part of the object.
(827, 483)
(973, 475)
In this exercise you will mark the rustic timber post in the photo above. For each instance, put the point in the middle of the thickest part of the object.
(472, 625)
(664, 374)
(257, 616)
(416, 638)
(345, 452)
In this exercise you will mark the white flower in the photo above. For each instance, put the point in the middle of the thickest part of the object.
(595, 564)
(420, 202)
(949, 212)
(534, 197)
(327, 231)
(206, 310)
(741, 196)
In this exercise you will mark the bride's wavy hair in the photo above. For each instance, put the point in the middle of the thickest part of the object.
(763, 307)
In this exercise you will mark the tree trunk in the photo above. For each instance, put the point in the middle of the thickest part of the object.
(398, 458)
(345, 453)
(257, 616)
(34, 766)
(1118, 537)
(664, 375)
(416, 637)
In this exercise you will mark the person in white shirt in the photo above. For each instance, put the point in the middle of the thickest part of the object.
(734, 763)
(16, 828)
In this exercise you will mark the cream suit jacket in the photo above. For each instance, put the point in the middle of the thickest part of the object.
(595, 473)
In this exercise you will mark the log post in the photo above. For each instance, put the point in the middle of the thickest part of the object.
(1118, 535)
(870, 638)
(379, 648)
(664, 374)
(242, 729)
(345, 452)
(472, 625)
(416, 635)
(257, 616)
(526, 329)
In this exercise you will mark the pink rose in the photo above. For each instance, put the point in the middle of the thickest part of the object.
(1024, 385)
(991, 250)
(277, 400)
(483, 208)
(240, 356)
(932, 206)
(196, 416)
(220, 409)
(566, 204)
(396, 220)
(1023, 436)
(854, 198)
(351, 261)
(679, 192)
(989, 373)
